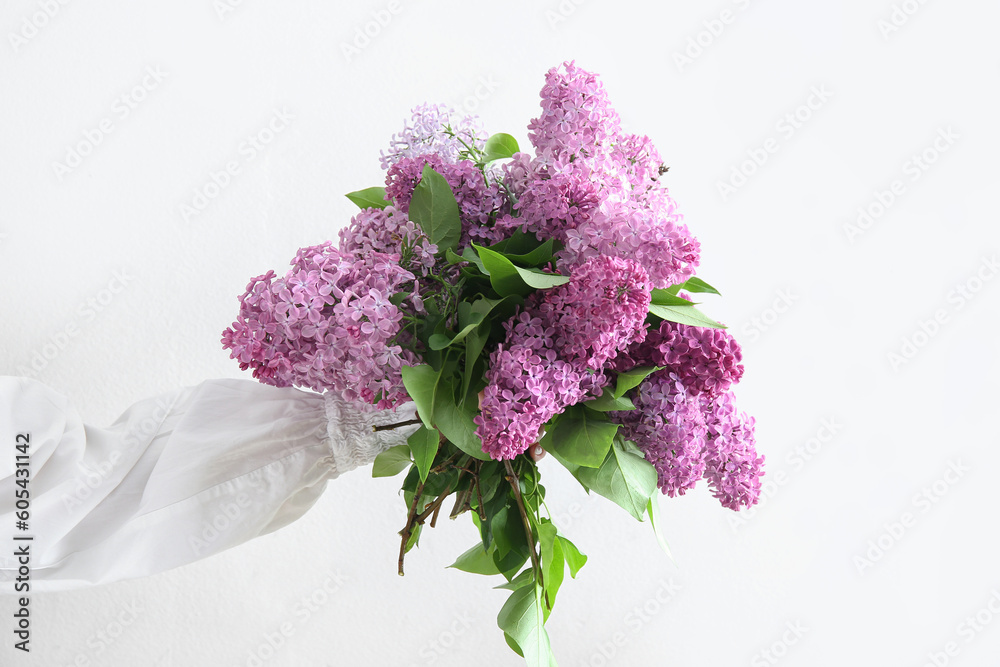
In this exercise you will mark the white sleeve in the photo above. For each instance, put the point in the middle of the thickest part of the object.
(175, 479)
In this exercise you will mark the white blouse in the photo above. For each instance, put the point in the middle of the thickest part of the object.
(175, 479)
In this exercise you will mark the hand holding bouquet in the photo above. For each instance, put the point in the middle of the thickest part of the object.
(517, 298)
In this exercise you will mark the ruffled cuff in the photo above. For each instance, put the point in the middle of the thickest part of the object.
(352, 437)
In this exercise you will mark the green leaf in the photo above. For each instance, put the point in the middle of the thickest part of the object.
(523, 619)
(475, 341)
(500, 146)
(421, 384)
(392, 461)
(632, 378)
(456, 423)
(476, 560)
(553, 562)
(520, 581)
(507, 278)
(513, 644)
(369, 198)
(694, 284)
(434, 208)
(662, 297)
(574, 558)
(607, 402)
(470, 316)
(583, 437)
(656, 520)
(625, 478)
(537, 257)
(684, 315)
(508, 531)
(470, 255)
(424, 444)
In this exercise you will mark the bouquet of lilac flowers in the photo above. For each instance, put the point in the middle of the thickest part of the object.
(517, 298)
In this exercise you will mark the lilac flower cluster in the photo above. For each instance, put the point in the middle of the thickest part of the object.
(556, 351)
(594, 187)
(427, 133)
(707, 361)
(389, 231)
(685, 421)
(476, 200)
(327, 325)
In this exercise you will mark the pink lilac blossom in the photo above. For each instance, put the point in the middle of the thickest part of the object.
(556, 351)
(577, 119)
(477, 200)
(708, 361)
(733, 468)
(595, 188)
(389, 231)
(668, 427)
(327, 325)
(426, 133)
(688, 436)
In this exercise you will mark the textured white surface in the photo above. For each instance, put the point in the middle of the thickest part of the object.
(62, 243)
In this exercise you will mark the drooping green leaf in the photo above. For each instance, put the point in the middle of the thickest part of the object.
(656, 521)
(369, 198)
(456, 423)
(424, 444)
(632, 378)
(684, 315)
(522, 618)
(518, 243)
(513, 644)
(507, 278)
(434, 208)
(553, 562)
(535, 258)
(421, 384)
(572, 555)
(500, 146)
(625, 478)
(508, 531)
(475, 341)
(521, 580)
(582, 437)
(695, 284)
(476, 561)
(470, 316)
(391, 462)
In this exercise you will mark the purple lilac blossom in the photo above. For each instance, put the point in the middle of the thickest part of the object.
(595, 188)
(668, 427)
(556, 351)
(733, 468)
(327, 325)
(389, 231)
(708, 361)
(477, 201)
(426, 133)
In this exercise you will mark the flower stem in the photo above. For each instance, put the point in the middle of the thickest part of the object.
(535, 565)
(389, 427)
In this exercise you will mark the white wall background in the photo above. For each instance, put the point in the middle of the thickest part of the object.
(818, 310)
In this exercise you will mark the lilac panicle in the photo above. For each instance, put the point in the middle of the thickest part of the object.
(667, 425)
(733, 468)
(556, 351)
(327, 325)
(426, 133)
